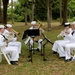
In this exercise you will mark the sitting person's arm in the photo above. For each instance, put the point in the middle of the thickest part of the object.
(71, 37)
(61, 34)
(2, 43)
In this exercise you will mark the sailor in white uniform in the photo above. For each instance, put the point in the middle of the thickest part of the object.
(33, 23)
(9, 34)
(58, 46)
(8, 49)
(70, 46)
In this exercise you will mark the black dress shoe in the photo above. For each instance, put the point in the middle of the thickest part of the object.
(38, 50)
(13, 62)
(54, 52)
(68, 60)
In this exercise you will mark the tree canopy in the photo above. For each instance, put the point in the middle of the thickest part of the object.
(23, 7)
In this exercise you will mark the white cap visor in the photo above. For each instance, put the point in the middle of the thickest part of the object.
(8, 25)
(33, 23)
(1, 26)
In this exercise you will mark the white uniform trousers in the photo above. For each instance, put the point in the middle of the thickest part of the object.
(59, 47)
(31, 42)
(28, 39)
(39, 43)
(16, 44)
(13, 52)
(68, 48)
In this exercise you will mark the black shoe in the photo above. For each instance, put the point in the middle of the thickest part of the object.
(54, 52)
(68, 60)
(38, 50)
(13, 62)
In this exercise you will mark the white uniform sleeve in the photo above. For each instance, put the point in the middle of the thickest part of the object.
(1, 41)
(71, 37)
(5, 32)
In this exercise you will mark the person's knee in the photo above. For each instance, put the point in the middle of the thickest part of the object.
(56, 42)
(67, 46)
(40, 40)
(15, 49)
(31, 41)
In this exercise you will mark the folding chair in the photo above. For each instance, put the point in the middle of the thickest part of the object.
(32, 49)
(7, 56)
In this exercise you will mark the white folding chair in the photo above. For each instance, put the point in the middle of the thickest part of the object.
(7, 56)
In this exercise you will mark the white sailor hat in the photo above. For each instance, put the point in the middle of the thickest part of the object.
(1, 26)
(73, 23)
(67, 24)
(8, 25)
(33, 23)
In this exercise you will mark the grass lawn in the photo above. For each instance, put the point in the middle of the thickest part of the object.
(53, 65)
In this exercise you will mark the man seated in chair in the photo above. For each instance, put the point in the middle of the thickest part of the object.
(34, 26)
(12, 39)
(71, 45)
(58, 46)
(8, 49)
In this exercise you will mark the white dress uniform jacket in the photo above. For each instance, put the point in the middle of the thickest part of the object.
(59, 44)
(9, 49)
(70, 46)
(31, 41)
(13, 42)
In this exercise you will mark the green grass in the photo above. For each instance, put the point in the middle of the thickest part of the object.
(53, 65)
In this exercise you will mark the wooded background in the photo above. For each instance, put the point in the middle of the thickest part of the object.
(43, 10)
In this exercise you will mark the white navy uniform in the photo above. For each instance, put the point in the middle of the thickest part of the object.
(31, 40)
(59, 44)
(9, 49)
(70, 46)
(13, 42)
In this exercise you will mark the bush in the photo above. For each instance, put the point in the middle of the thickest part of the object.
(72, 19)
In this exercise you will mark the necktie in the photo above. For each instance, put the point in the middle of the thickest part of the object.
(4, 37)
(72, 32)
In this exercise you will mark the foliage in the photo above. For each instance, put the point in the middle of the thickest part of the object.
(25, 7)
(71, 8)
(55, 9)
(18, 13)
(40, 10)
(72, 19)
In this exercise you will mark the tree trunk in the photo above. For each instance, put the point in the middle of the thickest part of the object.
(61, 12)
(5, 4)
(25, 15)
(64, 11)
(12, 12)
(33, 7)
(48, 16)
(50, 10)
(30, 15)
